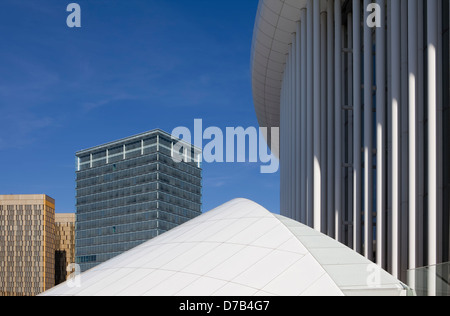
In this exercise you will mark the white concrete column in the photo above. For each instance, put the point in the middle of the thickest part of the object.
(323, 119)
(297, 137)
(381, 134)
(433, 135)
(389, 140)
(420, 132)
(357, 190)
(282, 163)
(298, 127)
(317, 129)
(286, 120)
(304, 106)
(396, 121)
(413, 140)
(338, 177)
(368, 134)
(331, 216)
(284, 139)
(349, 210)
(288, 126)
(282, 148)
(286, 145)
(293, 129)
(310, 113)
(440, 142)
(404, 161)
(288, 134)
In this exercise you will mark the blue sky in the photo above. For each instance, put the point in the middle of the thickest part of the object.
(135, 65)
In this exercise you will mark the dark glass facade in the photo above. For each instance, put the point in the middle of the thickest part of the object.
(131, 191)
(60, 267)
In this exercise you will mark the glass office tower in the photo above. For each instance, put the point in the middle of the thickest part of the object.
(130, 191)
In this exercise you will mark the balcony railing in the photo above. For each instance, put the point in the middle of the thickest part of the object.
(431, 280)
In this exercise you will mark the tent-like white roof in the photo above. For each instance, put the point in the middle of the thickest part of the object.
(238, 249)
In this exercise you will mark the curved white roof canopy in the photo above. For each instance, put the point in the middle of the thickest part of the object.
(275, 25)
(238, 249)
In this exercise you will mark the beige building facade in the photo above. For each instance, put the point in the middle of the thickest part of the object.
(27, 244)
(65, 246)
(36, 245)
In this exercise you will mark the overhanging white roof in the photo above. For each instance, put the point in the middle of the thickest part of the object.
(238, 249)
(275, 24)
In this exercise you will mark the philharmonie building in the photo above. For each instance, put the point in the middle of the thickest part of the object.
(360, 91)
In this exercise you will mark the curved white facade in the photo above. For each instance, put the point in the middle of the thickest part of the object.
(238, 249)
(363, 115)
(276, 21)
